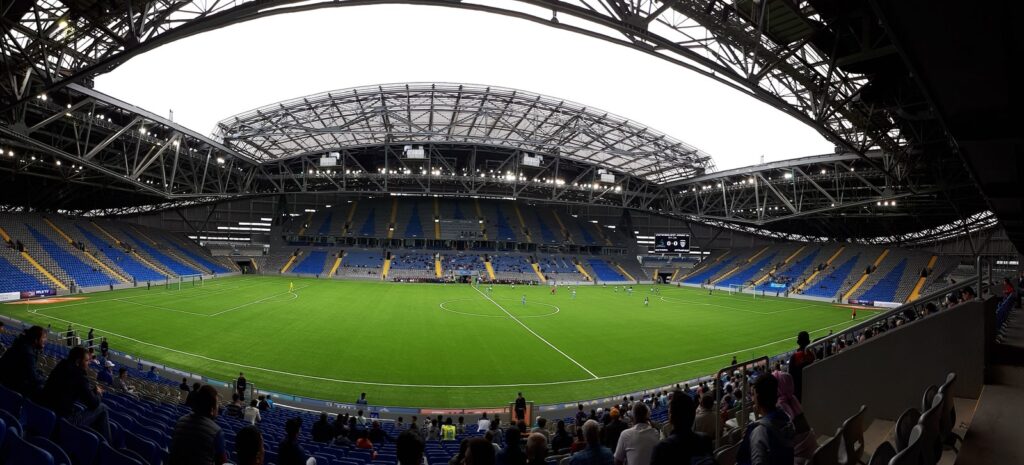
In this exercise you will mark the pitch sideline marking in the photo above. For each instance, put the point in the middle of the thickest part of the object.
(258, 301)
(682, 301)
(431, 386)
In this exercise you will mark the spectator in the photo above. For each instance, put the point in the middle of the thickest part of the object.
(581, 416)
(263, 405)
(611, 431)
(561, 440)
(290, 452)
(361, 400)
(704, 422)
(636, 444)
(800, 359)
(595, 453)
(252, 413)
(409, 448)
(322, 430)
(461, 426)
(683, 445)
(457, 459)
(236, 409)
(363, 442)
(536, 449)
(512, 453)
(520, 407)
(69, 384)
(192, 394)
(105, 374)
(580, 443)
(104, 347)
(377, 434)
(479, 452)
(240, 385)
(18, 366)
(151, 375)
(804, 443)
(967, 294)
(249, 446)
(184, 385)
(448, 430)
(197, 439)
(121, 383)
(483, 424)
(541, 428)
(769, 440)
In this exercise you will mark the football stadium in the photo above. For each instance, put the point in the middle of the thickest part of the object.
(445, 271)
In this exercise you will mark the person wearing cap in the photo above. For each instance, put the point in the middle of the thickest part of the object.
(106, 374)
(610, 433)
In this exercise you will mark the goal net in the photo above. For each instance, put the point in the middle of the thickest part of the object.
(735, 289)
(184, 282)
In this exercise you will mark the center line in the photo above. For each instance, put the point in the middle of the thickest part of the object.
(535, 334)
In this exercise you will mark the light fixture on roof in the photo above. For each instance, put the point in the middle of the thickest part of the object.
(220, 160)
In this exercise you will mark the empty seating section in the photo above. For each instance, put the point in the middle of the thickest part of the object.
(325, 227)
(744, 276)
(84, 275)
(556, 264)
(369, 226)
(463, 262)
(122, 259)
(603, 271)
(790, 276)
(712, 270)
(547, 234)
(13, 279)
(175, 266)
(199, 259)
(414, 226)
(585, 236)
(402, 260)
(885, 289)
(363, 259)
(510, 264)
(829, 282)
(312, 263)
(504, 229)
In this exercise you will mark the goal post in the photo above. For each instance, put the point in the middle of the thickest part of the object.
(184, 281)
(738, 289)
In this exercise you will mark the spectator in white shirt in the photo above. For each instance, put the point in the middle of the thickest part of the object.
(252, 414)
(483, 424)
(636, 444)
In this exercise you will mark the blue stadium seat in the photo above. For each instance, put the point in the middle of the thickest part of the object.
(21, 452)
(12, 279)
(313, 263)
(80, 445)
(83, 273)
(125, 261)
(149, 450)
(604, 271)
(708, 273)
(175, 266)
(59, 457)
(37, 420)
(10, 400)
(11, 421)
(199, 259)
(743, 276)
(111, 456)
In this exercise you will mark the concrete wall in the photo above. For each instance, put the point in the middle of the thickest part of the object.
(890, 372)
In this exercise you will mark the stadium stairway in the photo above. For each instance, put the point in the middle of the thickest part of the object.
(437, 219)
(33, 255)
(780, 267)
(566, 235)
(522, 222)
(745, 275)
(290, 261)
(137, 254)
(830, 281)
(703, 265)
(174, 253)
(605, 272)
(336, 263)
(123, 260)
(815, 270)
(72, 266)
(866, 275)
(386, 268)
(110, 269)
(541, 227)
(70, 231)
(312, 263)
(795, 271)
(919, 285)
(198, 255)
(346, 229)
(885, 289)
(480, 216)
(149, 250)
(391, 221)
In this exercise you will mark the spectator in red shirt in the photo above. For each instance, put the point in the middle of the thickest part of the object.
(801, 358)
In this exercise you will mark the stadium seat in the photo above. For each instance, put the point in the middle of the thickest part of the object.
(904, 425)
(883, 454)
(10, 400)
(21, 452)
(853, 438)
(727, 454)
(111, 456)
(929, 395)
(147, 449)
(828, 452)
(58, 454)
(911, 455)
(80, 445)
(10, 421)
(37, 420)
(948, 419)
(931, 445)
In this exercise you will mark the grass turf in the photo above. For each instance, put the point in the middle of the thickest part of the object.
(432, 345)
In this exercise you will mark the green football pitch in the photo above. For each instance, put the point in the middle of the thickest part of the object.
(434, 345)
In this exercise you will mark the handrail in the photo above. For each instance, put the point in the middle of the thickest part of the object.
(745, 407)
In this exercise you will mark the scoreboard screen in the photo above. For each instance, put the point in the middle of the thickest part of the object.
(671, 243)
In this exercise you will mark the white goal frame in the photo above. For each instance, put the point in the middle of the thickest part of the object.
(176, 283)
(735, 289)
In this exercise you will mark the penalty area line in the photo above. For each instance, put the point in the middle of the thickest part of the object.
(591, 373)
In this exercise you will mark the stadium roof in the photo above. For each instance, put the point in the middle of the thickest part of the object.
(422, 113)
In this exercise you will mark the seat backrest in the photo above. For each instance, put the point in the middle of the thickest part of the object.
(38, 420)
(929, 395)
(931, 447)
(142, 446)
(10, 421)
(80, 445)
(904, 425)
(110, 456)
(828, 452)
(22, 452)
(911, 455)
(883, 454)
(58, 454)
(727, 454)
(10, 400)
(853, 437)
(948, 420)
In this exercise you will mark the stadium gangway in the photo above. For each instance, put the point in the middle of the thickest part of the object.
(976, 282)
(744, 408)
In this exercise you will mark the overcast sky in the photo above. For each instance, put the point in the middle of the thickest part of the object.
(209, 77)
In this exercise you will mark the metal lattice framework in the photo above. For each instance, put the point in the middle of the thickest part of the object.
(425, 113)
(776, 51)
